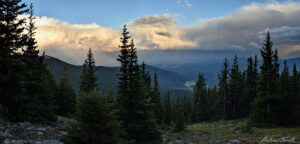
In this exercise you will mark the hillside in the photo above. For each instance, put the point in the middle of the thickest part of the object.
(108, 75)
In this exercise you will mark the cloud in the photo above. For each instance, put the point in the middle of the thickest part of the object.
(245, 29)
(52, 33)
(159, 32)
(183, 3)
(187, 3)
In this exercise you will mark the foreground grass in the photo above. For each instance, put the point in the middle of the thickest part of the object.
(232, 131)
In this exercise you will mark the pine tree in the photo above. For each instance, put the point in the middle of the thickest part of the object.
(13, 40)
(110, 95)
(88, 80)
(223, 88)
(216, 104)
(285, 94)
(187, 102)
(147, 79)
(249, 87)
(167, 110)
(96, 121)
(156, 101)
(200, 107)
(179, 118)
(266, 105)
(41, 107)
(65, 96)
(295, 94)
(234, 89)
(38, 80)
(134, 104)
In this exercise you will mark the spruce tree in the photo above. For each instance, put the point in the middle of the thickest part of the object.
(95, 123)
(223, 88)
(88, 79)
(147, 79)
(13, 40)
(41, 107)
(156, 101)
(134, 105)
(266, 105)
(216, 104)
(110, 95)
(295, 94)
(65, 96)
(234, 89)
(200, 107)
(39, 84)
(167, 109)
(285, 95)
(187, 104)
(249, 88)
(179, 117)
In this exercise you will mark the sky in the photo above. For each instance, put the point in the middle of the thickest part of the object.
(169, 30)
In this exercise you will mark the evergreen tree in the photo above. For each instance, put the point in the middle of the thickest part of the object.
(65, 96)
(13, 39)
(156, 101)
(110, 95)
(249, 88)
(234, 89)
(167, 109)
(88, 79)
(39, 83)
(147, 79)
(266, 105)
(200, 107)
(96, 121)
(216, 106)
(134, 104)
(223, 88)
(285, 94)
(41, 107)
(187, 102)
(295, 94)
(179, 118)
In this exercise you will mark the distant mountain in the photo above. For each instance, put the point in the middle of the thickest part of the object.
(108, 75)
(211, 68)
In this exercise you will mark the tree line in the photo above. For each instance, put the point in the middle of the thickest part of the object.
(263, 94)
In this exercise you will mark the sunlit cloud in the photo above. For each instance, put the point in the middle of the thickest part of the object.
(242, 30)
(159, 32)
(52, 33)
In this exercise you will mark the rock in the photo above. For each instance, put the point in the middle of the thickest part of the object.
(41, 129)
(49, 142)
(63, 132)
(24, 124)
(218, 142)
(235, 141)
(5, 134)
(237, 127)
(29, 128)
(39, 133)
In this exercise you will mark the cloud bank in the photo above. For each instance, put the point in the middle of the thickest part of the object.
(243, 30)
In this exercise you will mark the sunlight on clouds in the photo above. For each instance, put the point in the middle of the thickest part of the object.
(152, 31)
(159, 32)
(243, 30)
(52, 33)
